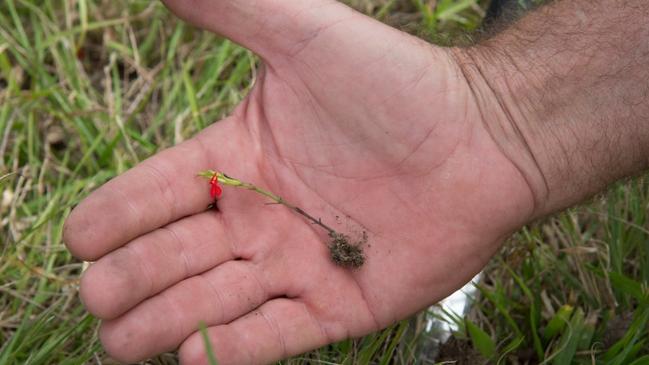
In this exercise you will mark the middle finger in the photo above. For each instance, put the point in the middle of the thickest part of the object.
(162, 322)
(154, 262)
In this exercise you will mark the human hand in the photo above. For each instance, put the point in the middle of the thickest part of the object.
(364, 126)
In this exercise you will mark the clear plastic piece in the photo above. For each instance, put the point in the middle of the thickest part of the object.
(444, 318)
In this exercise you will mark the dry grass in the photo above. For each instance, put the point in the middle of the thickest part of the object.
(89, 88)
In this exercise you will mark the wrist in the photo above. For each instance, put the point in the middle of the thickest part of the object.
(504, 96)
(565, 100)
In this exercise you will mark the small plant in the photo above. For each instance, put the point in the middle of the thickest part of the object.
(343, 251)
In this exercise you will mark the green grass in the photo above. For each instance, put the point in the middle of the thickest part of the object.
(88, 89)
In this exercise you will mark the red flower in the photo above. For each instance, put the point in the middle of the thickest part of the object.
(215, 188)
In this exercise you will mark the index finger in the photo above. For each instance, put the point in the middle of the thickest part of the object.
(158, 191)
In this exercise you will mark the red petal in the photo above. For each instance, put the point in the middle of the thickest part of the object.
(214, 191)
(218, 190)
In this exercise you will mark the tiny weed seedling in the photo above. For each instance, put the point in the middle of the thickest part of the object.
(344, 252)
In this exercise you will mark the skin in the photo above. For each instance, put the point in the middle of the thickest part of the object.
(361, 125)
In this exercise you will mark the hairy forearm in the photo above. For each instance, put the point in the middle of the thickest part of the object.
(565, 94)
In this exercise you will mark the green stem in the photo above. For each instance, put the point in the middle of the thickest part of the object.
(230, 181)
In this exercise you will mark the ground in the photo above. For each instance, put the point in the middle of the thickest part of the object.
(89, 88)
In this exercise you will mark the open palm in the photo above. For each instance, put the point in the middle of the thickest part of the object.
(363, 126)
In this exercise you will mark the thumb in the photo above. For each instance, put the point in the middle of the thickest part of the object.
(269, 28)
